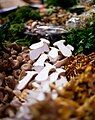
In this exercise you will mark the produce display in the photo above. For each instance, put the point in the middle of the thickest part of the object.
(47, 62)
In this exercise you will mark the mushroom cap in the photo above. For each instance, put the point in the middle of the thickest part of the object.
(59, 42)
(44, 40)
(36, 45)
(70, 47)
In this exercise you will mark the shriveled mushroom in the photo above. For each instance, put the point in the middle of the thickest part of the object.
(15, 63)
(63, 49)
(43, 75)
(61, 62)
(22, 83)
(53, 54)
(26, 66)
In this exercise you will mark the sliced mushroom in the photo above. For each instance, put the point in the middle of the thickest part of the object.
(53, 54)
(60, 71)
(39, 64)
(45, 87)
(22, 83)
(36, 45)
(41, 60)
(54, 94)
(43, 75)
(70, 47)
(54, 76)
(37, 68)
(34, 54)
(35, 85)
(44, 40)
(39, 44)
(63, 49)
(41, 96)
(61, 82)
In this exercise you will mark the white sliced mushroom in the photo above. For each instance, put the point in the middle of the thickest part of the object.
(34, 54)
(60, 71)
(45, 87)
(36, 45)
(37, 68)
(41, 60)
(53, 54)
(54, 76)
(43, 75)
(54, 94)
(70, 47)
(22, 83)
(44, 40)
(41, 96)
(39, 44)
(61, 82)
(63, 49)
(35, 85)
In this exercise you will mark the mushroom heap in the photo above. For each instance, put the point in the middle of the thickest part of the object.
(47, 74)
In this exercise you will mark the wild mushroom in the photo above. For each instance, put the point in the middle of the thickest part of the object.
(38, 48)
(22, 83)
(43, 75)
(53, 54)
(63, 49)
(15, 63)
(61, 62)
(26, 66)
(39, 64)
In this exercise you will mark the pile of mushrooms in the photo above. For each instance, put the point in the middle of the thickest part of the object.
(47, 74)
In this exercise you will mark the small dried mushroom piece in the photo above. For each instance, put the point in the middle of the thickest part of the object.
(63, 49)
(22, 83)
